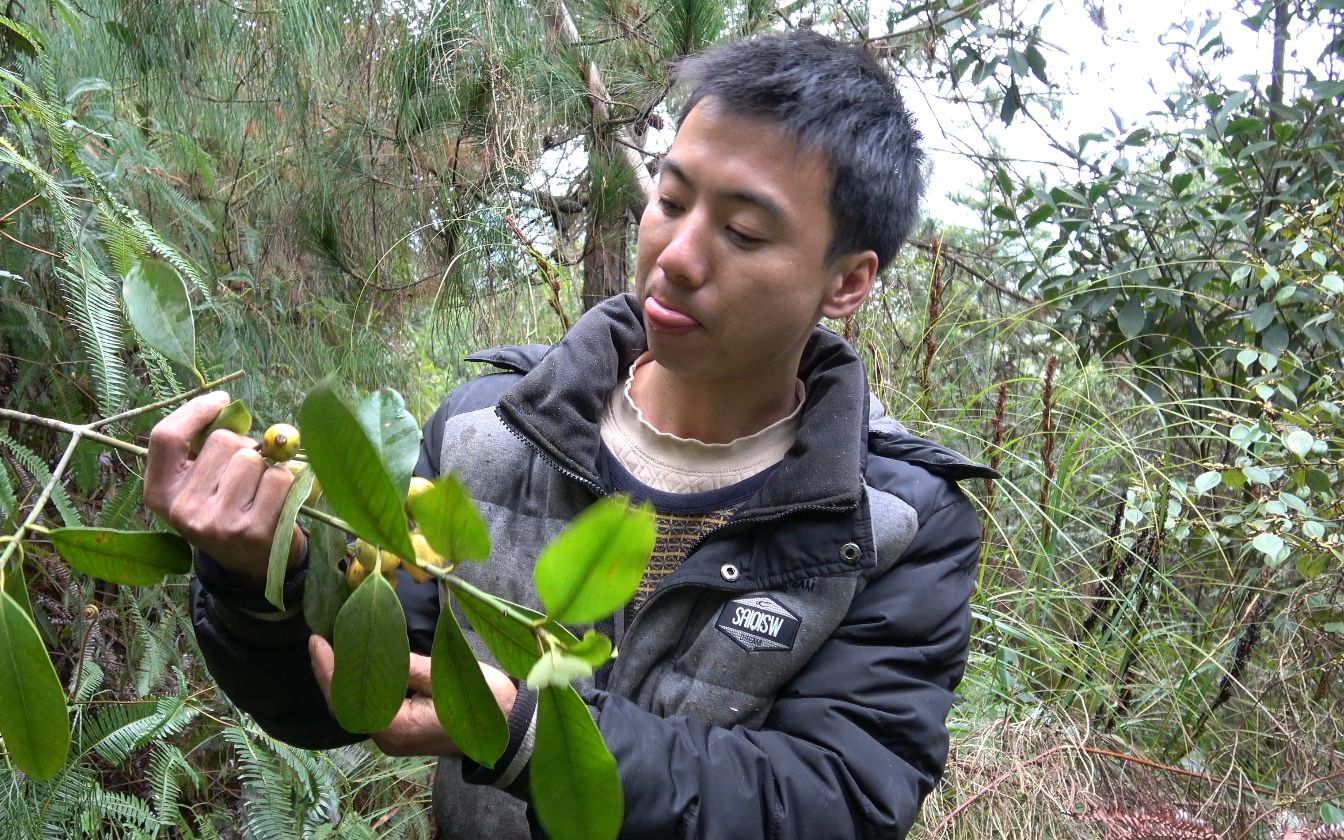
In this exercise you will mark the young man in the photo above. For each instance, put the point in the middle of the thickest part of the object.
(787, 665)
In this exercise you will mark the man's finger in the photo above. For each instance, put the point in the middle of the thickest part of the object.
(170, 439)
(324, 665)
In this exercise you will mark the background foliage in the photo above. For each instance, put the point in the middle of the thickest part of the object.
(1144, 338)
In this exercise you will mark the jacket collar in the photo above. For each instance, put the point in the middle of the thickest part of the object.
(557, 406)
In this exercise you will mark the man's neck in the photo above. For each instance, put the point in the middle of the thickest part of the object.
(711, 411)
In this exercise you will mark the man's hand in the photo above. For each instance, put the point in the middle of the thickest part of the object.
(226, 501)
(416, 729)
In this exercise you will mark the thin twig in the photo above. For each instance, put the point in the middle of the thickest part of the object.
(41, 502)
(209, 386)
(83, 432)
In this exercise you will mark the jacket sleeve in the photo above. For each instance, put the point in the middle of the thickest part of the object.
(259, 655)
(853, 743)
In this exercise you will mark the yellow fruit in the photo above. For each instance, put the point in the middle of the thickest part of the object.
(296, 467)
(419, 487)
(355, 573)
(280, 442)
(425, 555)
(375, 558)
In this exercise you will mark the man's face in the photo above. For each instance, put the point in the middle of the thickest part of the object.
(731, 266)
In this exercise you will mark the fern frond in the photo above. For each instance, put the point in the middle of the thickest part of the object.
(120, 730)
(37, 468)
(120, 809)
(151, 656)
(95, 305)
(116, 512)
(91, 678)
(163, 379)
(155, 243)
(9, 502)
(167, 768)
(266, 803)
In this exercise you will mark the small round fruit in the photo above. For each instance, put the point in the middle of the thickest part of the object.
(297, 467)
(425, 555)
(280, 442)
(355, 572)
(374, 558)
(418, 487)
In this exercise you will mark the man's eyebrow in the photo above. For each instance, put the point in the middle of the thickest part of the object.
(670, 166)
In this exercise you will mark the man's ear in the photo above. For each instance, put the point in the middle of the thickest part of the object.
(851, 280)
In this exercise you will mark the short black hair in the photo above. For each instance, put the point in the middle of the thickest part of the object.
(834, 98)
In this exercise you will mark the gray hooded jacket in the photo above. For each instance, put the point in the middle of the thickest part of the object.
(790, 680)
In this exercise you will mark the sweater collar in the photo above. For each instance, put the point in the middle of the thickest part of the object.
(557, 408)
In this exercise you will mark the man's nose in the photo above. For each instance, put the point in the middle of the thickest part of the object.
(685, 258)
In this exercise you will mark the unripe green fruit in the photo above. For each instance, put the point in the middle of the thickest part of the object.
(280, 442)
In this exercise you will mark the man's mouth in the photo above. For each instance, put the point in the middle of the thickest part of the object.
(663, 318)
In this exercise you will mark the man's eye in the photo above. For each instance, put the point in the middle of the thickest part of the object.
(737, 237)
(669, 206)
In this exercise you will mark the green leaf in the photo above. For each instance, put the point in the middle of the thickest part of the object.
(134, 558)
(1312, 566)
(595, 649)
(393, 432)
(465, 705)
(324, 588)
(373, 657)
(1245, 125)
(355, 481)
(235, 417)
(1313, 529)
(1268, 544)
(34, 719)
(1247, 357)
(576, 788)
(1299, 442)
(278, 564)
(1131, 317)
(156, 301)
(450, 522)
(557, 669)
(1181, 182)
(1319, 481)
(1263, 315)
(1036, 62)
(1207, 481)
(1038, 215)
(593, 567)
(507, 629)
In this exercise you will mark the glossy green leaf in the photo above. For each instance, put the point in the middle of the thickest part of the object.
(593, 567)
(595, 649)
(576, 788)
(1207, 481)
(1132, 317)
(465, 705)
(157, 303)
(278, 563)
(134, 558)
(16, 585)
(1299, 442)
(34, 719)
(235, 417)
(450, 522)
(506, 628)
(557, 668)
(1268, 544)
(355, 481)
(324, 588)
(373, 657)
(1313, 529)
(1313, 565)
(393, 432)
